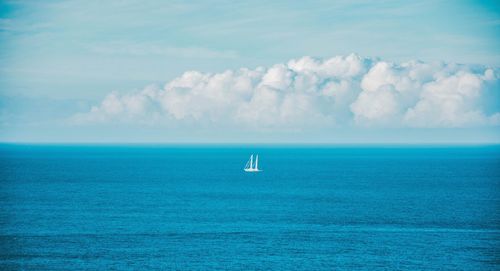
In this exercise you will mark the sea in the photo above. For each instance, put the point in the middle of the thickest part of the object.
(192, 207)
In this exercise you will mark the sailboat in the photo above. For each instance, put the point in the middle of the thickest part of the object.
(251, 166)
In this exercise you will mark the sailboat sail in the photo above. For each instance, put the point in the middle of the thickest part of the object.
(251, 166)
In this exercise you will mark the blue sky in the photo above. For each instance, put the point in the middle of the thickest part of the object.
(58, 59)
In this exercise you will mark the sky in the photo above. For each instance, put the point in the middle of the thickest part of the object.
(250, 71)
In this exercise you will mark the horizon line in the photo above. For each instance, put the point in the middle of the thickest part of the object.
(312, 144)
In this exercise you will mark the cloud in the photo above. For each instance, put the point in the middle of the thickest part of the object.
(311, 92)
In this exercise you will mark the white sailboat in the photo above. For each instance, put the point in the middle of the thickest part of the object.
(251, 166)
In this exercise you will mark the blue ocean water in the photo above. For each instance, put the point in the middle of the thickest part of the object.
(194, 208)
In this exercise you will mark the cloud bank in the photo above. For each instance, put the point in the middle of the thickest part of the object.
(311, 92)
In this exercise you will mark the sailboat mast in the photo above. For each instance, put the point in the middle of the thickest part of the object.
(257, 162)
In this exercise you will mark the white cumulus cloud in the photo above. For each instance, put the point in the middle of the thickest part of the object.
(308, 92)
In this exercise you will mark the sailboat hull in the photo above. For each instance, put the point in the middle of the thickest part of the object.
(251, 170)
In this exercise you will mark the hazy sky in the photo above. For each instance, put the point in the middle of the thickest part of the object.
(114, 71)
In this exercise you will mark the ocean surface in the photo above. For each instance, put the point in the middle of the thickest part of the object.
(194, 208)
